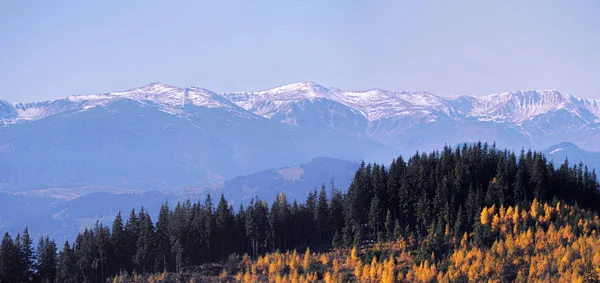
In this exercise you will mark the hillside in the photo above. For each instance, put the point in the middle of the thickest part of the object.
(538, 243)
(471, 212)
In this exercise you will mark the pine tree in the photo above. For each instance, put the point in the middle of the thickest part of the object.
(209, 226)
(119, 242)
(131, 233)
(145, 251)
(28, 258)
(388, 224)
(9, 264)
(223, 225)
(102, 245)
(322, 217)
(375, 215)
(48, 262)
(163, 243)
(67, 271)
(337, 211)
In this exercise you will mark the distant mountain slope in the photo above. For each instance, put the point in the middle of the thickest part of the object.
(296, 182)
(569, 151)
(61, 219)
(157, 137)
(165, 137)
(62, 213)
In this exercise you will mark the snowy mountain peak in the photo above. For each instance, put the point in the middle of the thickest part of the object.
(295, 91)
(521, 106)
(160, 94)
(297, 87)
(286, 101)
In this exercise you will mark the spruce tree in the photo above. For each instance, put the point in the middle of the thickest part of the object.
(119, 242)
(47, 260)
(163, 244)
(9, 260)
(28, 258)
(145, 246)
(322, 217)
(67, 271)
(388, 224)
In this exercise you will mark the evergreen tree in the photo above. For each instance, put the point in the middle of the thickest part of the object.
(322, 218)
(145, 246)
(119, 242)
(47, 260)
(337, 211)
(163, 243)
(388, 224)
(9, 260)
(67, 271)
(375, 215)
(28, 257)
(131, 235)
(223, 226)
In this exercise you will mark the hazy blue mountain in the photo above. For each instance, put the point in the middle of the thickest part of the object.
(296, 181)
(130, 142)
(62, 219)
(571, 152)
(164, 137)
(62, 213)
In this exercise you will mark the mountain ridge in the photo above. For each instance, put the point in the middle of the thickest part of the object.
(485, 106)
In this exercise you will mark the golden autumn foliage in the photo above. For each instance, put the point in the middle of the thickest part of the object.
(548, 249)
(539, 243)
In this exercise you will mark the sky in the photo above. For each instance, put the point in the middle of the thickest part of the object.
(54, 49)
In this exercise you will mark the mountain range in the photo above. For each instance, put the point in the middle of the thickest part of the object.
(165, 137)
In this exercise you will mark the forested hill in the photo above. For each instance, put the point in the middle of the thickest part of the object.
(430, 200)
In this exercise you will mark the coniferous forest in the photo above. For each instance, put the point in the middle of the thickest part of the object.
(471, 213)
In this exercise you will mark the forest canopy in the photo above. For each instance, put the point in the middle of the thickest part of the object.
(425, 218)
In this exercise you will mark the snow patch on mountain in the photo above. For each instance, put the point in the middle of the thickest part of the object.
(521, 106)
(556, 150)
(373, 104)
(284, 101)
(170, 99)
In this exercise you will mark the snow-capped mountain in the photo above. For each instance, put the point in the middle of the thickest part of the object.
(421, 120)
(154, 137)
(163, 136)
(520, 106)
(170, 99)
(373, 105)
(7, 111)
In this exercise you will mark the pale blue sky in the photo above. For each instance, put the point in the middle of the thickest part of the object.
(52, 49)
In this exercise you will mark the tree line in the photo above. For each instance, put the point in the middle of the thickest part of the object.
(426, 195)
